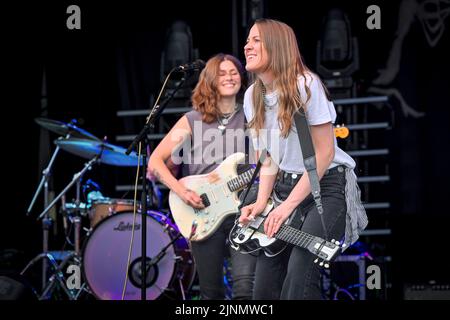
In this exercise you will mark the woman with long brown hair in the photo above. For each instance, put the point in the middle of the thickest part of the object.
(284, 85)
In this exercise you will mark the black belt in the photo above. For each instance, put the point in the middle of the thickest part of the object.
(292, 178)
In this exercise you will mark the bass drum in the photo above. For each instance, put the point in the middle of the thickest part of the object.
(105, 256)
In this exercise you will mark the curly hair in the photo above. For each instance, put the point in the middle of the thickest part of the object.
(206, 94)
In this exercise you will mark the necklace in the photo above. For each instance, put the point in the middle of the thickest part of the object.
(269, 103)
(225, 119)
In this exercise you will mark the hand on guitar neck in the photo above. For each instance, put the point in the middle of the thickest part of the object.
(252, 237)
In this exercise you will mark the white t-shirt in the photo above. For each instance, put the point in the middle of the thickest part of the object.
(286, 152)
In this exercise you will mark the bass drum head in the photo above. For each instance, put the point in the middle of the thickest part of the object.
(105, 257)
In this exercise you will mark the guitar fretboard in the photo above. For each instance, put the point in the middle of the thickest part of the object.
(241, 180)
(294, 236)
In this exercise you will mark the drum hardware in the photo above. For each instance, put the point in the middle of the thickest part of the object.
(76, 179)
(153, 261)
(57, 277)
(171, 268)
(71, 208)
(67, 130)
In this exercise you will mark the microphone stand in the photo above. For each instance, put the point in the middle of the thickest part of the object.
(142, 138)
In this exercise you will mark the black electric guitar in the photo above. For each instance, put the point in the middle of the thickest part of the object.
(251, 237)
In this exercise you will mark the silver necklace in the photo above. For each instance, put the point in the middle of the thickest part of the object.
(224, 120)
(265, 99)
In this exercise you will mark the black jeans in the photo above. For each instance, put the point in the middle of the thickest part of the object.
(292, 274)
(209, 256)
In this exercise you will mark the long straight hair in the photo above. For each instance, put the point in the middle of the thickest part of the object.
(286, 64)
(206, 94)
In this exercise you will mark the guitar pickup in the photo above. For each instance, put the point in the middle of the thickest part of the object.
(205, 200)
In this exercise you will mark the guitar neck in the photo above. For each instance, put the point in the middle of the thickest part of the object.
(240, 181)
(295, 236)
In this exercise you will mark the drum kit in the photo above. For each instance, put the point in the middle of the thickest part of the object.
(109, 262)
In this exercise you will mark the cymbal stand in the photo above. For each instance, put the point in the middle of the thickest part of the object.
(58, 275)
(46, 221)
(76, 177)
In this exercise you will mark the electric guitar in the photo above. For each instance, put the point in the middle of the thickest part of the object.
(251, 237)
(218, 191)
(341, 131)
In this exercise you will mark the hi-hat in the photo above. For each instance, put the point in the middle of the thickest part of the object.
(109, 154)
(63, 128)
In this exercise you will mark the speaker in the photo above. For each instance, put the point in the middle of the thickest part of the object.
(348, 272)
(12, 289)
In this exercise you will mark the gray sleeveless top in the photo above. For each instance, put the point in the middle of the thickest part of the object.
(209, 147)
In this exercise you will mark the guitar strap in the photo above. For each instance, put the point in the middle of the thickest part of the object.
(262, 158)
(309, 159)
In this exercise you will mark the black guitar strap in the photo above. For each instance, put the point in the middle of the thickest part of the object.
(262, 158)
(309, 159)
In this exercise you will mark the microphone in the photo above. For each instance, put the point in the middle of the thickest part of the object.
(191, 66)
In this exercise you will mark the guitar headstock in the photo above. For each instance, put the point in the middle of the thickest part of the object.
(341, 131)
(327, 251)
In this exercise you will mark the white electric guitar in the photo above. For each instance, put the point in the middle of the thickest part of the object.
(251, 237)
(218, 190)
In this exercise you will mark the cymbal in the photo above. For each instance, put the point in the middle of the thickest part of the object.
(63, 128)
(110, 154)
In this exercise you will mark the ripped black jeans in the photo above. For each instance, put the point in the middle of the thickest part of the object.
(209, 256)
(292, 274)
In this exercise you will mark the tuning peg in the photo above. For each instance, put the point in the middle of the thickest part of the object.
(337, 243)
(321, 264)
(317, 260)
(343, 245)
(326, 265)
(332, 240)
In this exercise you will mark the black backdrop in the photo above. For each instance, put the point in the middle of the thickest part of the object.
(123, 42)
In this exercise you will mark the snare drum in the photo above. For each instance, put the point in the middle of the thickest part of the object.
(105, 257)
(105, 207)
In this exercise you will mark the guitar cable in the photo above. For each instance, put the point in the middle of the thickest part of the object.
(134, 222)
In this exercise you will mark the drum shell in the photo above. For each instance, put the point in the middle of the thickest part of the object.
(103, 208)
(105, 254)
